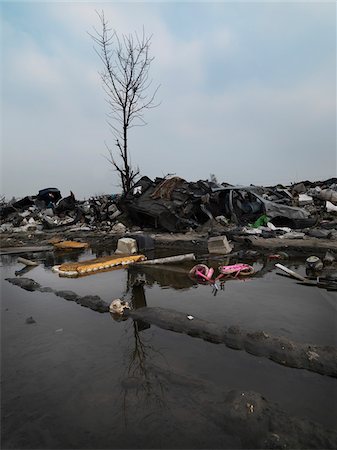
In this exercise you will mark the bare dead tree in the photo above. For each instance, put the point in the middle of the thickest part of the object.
(125, 77)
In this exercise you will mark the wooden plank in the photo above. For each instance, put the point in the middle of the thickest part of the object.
(291, 272)
(18, 250)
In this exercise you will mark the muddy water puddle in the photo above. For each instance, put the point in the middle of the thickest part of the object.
(79, 379)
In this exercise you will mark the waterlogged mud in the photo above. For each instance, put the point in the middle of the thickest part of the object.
(93, 302)
(281, 350)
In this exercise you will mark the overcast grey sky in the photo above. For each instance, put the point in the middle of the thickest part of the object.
(248, 92)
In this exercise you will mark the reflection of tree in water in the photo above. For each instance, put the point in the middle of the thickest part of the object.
(143, 389)
(174, 276)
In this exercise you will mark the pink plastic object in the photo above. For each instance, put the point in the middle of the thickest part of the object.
(208, 275)
(201, 271)
(236, 269)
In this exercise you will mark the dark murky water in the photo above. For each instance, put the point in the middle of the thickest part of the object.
(79, 379)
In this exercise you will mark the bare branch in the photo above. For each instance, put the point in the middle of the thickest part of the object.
(125, 80)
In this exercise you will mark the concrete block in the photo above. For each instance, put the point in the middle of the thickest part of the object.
(127, 246)
(144, 242)
(219, 245)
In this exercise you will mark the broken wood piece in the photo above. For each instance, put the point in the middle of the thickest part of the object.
(291, 272)
(27, 262)
(170, 259)
(65, 245)
(95, 265)
(17, 250)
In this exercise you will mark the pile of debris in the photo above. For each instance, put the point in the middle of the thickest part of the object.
(175, 205)
(48, 210)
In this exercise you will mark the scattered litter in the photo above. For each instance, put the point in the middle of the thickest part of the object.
(216, 288)
(169, 259)
(81, 228)
(329, 195)
(201, 272)
(253, 231)
(17, 250)
(95, 265)
(222, 220)
(314, 263)
(272, 227)
(219, 245)
(312, 355)
(261, 221)
(293, 235)
(235, 270)
(329, 258)
(190, 317)
(290, 272)
(276, 256)
(27, 262)
(118, 306)
(304, 199)
(126, 246)
(330, 207)
(118, 228)
(250, 408)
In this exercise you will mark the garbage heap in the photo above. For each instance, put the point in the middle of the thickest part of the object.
(48, 210)
(173, 204)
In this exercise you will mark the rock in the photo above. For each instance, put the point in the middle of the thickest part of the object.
(118, 228)
(6, 227)
(319, 233)
(115, 215)
(329, 258)
(67, 295)
(112, 208)
(48, 212)
(93, 302)
(25, 283)
(24, 214)
(219, 245)
(46, 289)
(222, 220)
(333, 235)
(275, 441)
(299, 188)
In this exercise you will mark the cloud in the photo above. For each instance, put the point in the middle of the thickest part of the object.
(243, 128)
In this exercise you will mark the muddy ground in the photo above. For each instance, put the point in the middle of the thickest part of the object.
(184, 242)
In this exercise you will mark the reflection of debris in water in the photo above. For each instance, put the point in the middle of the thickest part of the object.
(118, 317)
(23, 271)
